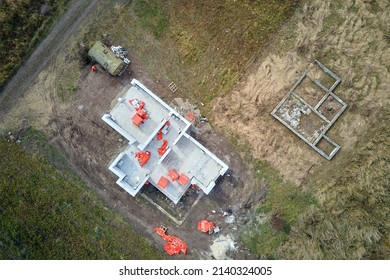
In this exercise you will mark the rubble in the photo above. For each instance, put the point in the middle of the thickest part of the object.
(222, 245)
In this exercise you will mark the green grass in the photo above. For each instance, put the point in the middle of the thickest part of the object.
(344, 214)
(50, 214)
(285, 200)
(263, 240)
(352, 218)
(22, 26)
(152, 16)
(35, 143)
(284, 197)
(68, 79)
(203, 46)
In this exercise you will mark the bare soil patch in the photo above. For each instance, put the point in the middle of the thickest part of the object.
(276, 223)
(330, 107)
(310, 92)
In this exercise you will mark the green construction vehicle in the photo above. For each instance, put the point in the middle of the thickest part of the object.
(113, 60)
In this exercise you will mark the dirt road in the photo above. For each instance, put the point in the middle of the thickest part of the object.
(45, 52)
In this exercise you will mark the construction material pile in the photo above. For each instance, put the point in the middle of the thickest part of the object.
(174, 244)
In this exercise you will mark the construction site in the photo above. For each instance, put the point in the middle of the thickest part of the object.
(160, 150)
(215, 129)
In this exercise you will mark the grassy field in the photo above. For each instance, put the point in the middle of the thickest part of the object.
(203, 46)
(352, 218)
(273, 220)
(22, 25)
(345, 216)
(47, 213)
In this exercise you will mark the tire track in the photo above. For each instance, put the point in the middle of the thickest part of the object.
(45, 51)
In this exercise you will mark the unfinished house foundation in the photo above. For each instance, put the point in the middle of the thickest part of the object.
(310, 108)
(160, 153)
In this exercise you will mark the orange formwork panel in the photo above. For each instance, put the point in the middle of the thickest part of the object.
(191, 116)
(173, 175)
(143, 157)
(159, 135)
(174, 244)
(183, 179)
(162, 232)
(163, 148)
(137, 120)
(142, 114)
(163, 182)
(137, 103)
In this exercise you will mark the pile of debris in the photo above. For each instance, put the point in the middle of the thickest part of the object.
(193, 114)
(174, 244)
(221, 246)
(120, 52)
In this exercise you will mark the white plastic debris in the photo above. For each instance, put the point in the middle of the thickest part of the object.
(230, 219)
(221, 246)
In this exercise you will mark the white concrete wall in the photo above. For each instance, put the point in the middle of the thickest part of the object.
(111, 122)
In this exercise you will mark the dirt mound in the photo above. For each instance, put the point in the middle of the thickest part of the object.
(350, 41)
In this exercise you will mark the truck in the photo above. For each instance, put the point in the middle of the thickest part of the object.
(114, 61)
